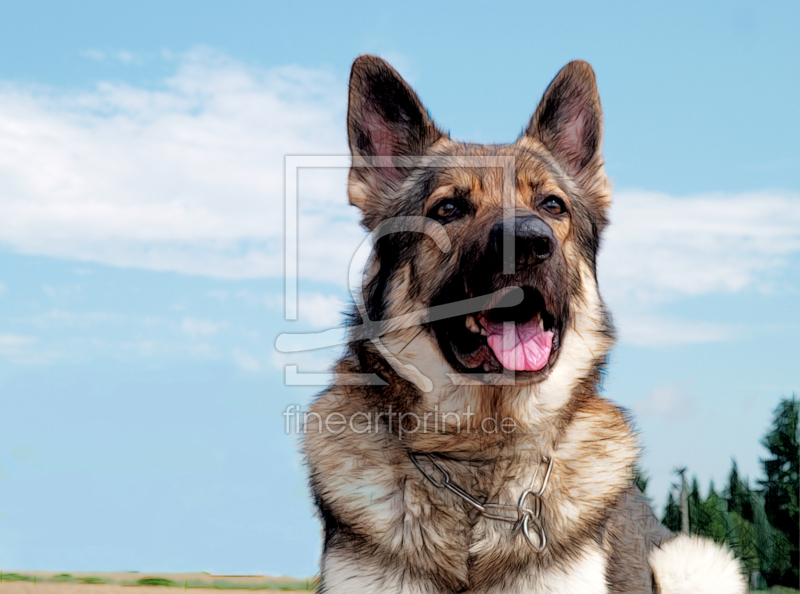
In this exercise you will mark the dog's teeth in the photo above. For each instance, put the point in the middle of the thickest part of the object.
(483, 331)
(472, 325)
(541, 324)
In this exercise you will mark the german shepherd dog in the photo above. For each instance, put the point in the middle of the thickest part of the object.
(481, 457)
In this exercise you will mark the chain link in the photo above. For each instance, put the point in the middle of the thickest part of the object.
(520, 516)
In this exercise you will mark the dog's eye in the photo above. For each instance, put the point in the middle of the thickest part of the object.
(554, 205)
(449, 210)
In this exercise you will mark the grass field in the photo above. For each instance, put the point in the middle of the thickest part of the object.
(120, 583)
(108, 583)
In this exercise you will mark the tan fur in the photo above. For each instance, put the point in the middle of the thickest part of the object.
(387, 528)
(369, 482)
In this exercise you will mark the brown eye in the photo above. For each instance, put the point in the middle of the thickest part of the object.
(449, 210)
(554, 205)
(446, 209)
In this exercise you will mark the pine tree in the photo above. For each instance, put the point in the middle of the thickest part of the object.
(672, 515)
(761, 527)
(640, 479)
(741, 533)
(772, 545)
(712, 521)
(780, 488)
(738, 495)
(695, 513)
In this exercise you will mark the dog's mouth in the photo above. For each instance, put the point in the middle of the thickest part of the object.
(514, 332)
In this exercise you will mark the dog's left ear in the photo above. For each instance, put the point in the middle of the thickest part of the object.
(569, 122)
(385, 123)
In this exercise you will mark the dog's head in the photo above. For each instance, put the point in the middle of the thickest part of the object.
(496, 242)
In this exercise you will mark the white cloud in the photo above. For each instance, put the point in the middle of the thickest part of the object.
(670, 402)
(187, 176)
(13, 344)
(316, 310)
(661, 247)
(152, 347)
(194, 327)
(318, 361)
(655, 330)
(62, 291)
(65, 319)
(320, 311)
(94, 54)
(24, 350)
(123, 56)
(246, 361)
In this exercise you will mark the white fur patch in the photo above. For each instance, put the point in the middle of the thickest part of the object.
(347, 574)
(695, 565)
(587, 575)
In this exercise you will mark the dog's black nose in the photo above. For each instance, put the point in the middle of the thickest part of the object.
(532, 238)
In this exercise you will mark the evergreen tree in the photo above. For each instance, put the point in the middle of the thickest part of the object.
(672, 515)
(741, 533)
(742, 539)
(761, 527)
(640, 479)
(780, 488)
(772, 545)
(695, 519)
(739, 495)
(712, 520)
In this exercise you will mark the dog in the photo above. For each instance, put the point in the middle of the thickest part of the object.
(465, 446)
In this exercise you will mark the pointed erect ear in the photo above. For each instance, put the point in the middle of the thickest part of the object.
(569, 120)
(385, 122)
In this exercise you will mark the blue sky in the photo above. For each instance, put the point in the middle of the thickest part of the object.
(141, 291)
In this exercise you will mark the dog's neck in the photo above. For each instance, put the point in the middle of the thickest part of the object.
(369, 478)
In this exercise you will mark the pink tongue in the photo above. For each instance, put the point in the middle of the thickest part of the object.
(520, 347)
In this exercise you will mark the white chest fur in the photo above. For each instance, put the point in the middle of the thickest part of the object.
(348, 573)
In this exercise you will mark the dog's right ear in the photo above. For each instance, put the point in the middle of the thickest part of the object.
(569, 122)
(385, 122)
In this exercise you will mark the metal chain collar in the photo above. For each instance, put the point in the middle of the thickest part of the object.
(520, 516)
